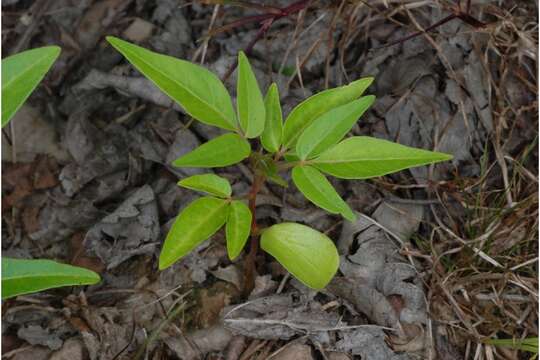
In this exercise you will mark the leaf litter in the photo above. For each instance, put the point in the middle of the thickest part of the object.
(112, 136)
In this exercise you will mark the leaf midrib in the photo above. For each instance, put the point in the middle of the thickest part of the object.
(177, 83)
(316, 161)
(335, 124)
(325, 194)
(55, 275)
(205, 220)
(8, 84)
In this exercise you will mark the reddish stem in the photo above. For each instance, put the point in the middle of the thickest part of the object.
(267, 20)
(249, 263)
(457, 14)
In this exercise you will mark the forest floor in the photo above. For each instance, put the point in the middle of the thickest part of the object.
(442, 259)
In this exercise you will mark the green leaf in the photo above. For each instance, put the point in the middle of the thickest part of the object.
(222, 151)
(362, 157)
(208, 183)
(196, 223)
(331, 127)
(528, 344)
(196, 89)
(310, 109)
(268, 166)
(317, 189)
(307, 254)
(249, 100)
(291, 156)
(21, 73)
(273, 129)
(23, 276)
(238, 228)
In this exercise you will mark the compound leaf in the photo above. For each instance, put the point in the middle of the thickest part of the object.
(249, 100)
(225, 150)
(362, 157)
(21, 73)
(208, 183)
(328, 129)
(196, 223)
(200, 92)
(317, 189)
(24, 276)
(273, 129)
(307, 254)
(237, 228)
(310, 109)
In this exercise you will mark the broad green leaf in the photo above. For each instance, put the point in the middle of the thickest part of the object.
(317, 189)
(362, 157)
(196, 89)
(238, 228)
(310, 109)
(291, 156)
(23, 276)
(273, 128)
(249, 100)
(331, 127)
(21, 73)
(208, 183)
(222, 151)
(307, 254)
(196, 223)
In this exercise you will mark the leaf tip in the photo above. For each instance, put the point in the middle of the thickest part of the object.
(94, 278)
(232, 255)
(163, 263)
(55, 50)
(111, 39)
(180, 162)
(369, 99)
(369, 80)
(443, 156)
(349, 215)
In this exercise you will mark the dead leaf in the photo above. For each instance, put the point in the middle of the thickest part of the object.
(211, 301)
(294, 352)
(33, 136)
(132, 229)
(138, 31)
(369, 343)
(71, 350)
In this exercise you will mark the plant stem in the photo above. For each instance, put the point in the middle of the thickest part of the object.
(249, 263)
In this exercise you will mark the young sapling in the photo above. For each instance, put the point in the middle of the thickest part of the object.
(311, 143)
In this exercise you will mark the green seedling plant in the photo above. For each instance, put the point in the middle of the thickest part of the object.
(21, 73)
(528, 344)
(311, 143)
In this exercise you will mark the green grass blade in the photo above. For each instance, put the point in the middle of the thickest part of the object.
(528, 344)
